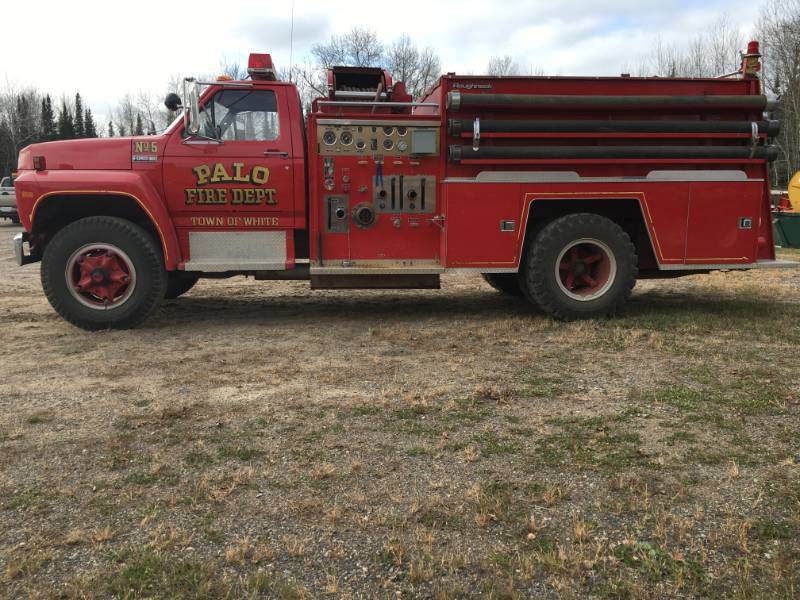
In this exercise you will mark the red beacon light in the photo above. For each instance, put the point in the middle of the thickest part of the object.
(260, 67)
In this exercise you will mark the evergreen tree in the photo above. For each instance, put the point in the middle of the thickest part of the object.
(122, 131)
(151, 128)
(80, 126)
(138, 130)
(49, 127)
(111, 129)
(90, 130)
(66, 126)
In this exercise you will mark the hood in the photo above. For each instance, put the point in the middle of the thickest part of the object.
(93, 153)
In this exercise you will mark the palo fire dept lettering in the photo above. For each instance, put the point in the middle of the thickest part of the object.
(258, 175)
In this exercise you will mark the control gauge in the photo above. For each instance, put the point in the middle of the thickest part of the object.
(402, 146)
(329, 138)
(346, 138)
(388, 130)
(388, 144)
(360, 145)
(401, 131)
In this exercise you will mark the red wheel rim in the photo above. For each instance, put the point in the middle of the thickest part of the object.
(585, 269)
(100, 276)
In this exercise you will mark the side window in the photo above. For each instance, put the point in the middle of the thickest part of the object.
(242, 115)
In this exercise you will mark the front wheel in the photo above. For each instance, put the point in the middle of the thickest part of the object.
(103, 273)
(580, 266)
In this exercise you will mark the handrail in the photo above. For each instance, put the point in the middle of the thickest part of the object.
(392, 104)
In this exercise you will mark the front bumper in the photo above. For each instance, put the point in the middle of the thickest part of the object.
(19, 250)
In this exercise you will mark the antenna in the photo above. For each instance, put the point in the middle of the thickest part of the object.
(291, 46)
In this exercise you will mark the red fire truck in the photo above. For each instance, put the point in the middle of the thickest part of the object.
(563, 190)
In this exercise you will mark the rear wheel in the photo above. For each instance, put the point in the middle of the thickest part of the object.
(103, 273)
(178, 284)
(508, 283)
(580, 266)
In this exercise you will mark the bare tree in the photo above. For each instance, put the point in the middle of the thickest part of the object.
(124, 115)
(779, 32)
(310, 79)
(710, 54)
(418, 69)
(359, 47)
(500, 66)
(20, 123)
(232, 69)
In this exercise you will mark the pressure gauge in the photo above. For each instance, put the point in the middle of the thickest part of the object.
(401, 131)
(360, 145)
(402, 146)
(329, 138)
(388, 130)
(346, 138)
(388, 144)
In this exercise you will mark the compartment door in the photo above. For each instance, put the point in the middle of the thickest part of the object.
(723, 221)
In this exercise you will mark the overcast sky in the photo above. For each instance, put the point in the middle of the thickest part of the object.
(104, 49)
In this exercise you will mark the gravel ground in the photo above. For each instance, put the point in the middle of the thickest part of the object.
(260, 439)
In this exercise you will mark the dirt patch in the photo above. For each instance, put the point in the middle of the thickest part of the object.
(263, 439)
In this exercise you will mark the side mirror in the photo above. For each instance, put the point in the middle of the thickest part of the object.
(173, 102)
(191, 110)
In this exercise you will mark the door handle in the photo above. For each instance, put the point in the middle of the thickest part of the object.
(280, 153)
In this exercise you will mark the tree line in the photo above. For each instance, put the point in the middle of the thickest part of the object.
(29, 116)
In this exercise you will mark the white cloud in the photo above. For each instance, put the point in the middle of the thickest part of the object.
(106, 49)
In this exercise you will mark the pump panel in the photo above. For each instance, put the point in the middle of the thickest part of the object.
(373, 138)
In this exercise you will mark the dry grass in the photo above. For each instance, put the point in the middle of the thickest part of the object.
(261, 440)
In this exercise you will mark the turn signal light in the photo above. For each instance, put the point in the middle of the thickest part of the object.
(39, 163)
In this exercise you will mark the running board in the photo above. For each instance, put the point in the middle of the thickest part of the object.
(760, 264)
(375, 282)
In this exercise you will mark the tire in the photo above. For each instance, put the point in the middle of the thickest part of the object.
(508, 283)
(103, 273)
(580, 266)
(178, 284)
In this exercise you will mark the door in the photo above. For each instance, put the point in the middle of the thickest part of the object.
(723, 221)
(236, 178)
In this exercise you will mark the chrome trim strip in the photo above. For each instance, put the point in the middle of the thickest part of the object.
(378, 122)
(761, 264)
(706, 175)
(219, 267)
(526, 176)
(573, 177)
